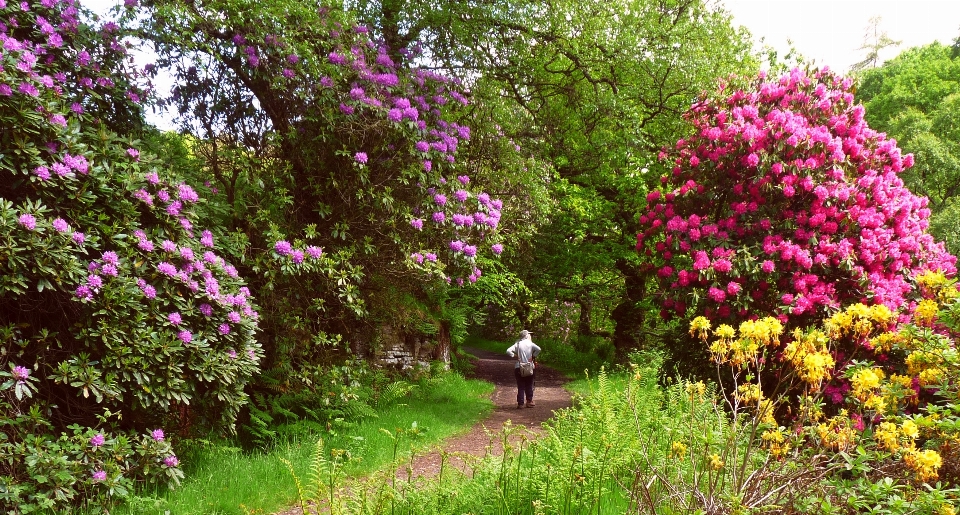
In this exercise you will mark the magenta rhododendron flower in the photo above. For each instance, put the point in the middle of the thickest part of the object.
(813, 214)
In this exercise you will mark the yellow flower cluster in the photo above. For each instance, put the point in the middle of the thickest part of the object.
(754, 334)
(699, 328)
(926, 313)
(893, 438)
(946, 509)
(776, 441)
(749, 393)
(809, 355)
(938, 285)
(837, 433)
(766, 331)
(865, 382)
(696, 390)
(884, 342)
(859, 321)
(765, 409)
(678, 450)
(925, 464)
(715, 462)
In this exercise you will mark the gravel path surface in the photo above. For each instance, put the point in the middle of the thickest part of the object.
(549, 395)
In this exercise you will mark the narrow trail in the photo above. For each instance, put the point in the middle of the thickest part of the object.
(549, 395)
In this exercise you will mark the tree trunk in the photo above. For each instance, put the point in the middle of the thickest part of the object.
(628, 316)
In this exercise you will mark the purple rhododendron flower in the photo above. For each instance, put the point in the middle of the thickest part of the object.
(206, 309)
(417, 223)
(167, 269)
(360, 157)
(149, 292)
(20, 374)
(283, 247)
(314, 252)
(97, 440)
(60, 225)
(175, 318)
(431, 257)
(462, 195)
(110, 257)
(440, 199)
(234, 317)
(94, 281)
(296, 256)
(225, 329)
(99, 475)
(27, 221)
(185, 336)
(497, 248)
(456, 245)
(469, 250)
(42, 172)
(439, 217)
(157, 435)
(109, 269)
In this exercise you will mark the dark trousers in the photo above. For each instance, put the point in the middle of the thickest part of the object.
(524, 386)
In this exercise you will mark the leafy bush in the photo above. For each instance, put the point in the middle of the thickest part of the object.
(117, 315)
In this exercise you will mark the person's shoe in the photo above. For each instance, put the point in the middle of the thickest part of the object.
(530, 404)
(519, 406)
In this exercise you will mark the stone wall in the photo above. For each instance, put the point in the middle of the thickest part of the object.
(405, 351)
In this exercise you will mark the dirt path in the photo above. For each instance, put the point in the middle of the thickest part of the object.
(549, 395)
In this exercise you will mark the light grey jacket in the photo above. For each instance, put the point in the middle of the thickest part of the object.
(527, 349)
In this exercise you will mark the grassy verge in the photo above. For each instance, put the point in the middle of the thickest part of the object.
(223, 480)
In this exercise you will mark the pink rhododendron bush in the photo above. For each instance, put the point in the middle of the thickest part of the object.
(117, 314)
(784, 232)
(784, 203)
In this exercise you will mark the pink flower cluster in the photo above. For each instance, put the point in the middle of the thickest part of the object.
(784, 202)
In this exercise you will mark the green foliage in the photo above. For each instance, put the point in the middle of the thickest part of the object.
(915, 98)
(117, 315)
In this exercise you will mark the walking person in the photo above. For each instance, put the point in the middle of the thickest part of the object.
(525, 352)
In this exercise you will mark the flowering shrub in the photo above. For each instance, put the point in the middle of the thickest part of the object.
(371, 153)
(784, 203)
(116, 311)
(860, 381)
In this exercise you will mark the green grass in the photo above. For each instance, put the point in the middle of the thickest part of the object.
(222, 479)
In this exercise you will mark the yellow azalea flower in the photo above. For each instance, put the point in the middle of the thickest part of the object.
(749, 393)
(719, 350)
(925, 313)
(765, 411)
(876, 403)
(925, 464)
(884, 342)
(865, 381)
(946, 509)
(887, 436)
(678, 450)
(724, 331)
(699, 327)
(910, 430)
(931, 376)
(776, 442)
(715, 462)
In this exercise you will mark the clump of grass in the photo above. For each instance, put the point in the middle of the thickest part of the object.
(221, 479)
